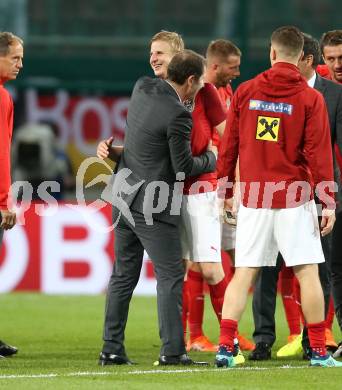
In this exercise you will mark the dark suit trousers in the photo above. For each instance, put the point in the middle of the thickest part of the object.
(162, 243)
(336, 267)
(265, 295)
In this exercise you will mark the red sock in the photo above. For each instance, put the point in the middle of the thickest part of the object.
(217, 296)
(316, 334)
(227, 333)
(291, 308)
(196, 303)
(296, 288)
(330, 315)
(185, 308)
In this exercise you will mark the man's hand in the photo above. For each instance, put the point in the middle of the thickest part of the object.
(212, 148)
(229, 204)
(103, 148)
(327, 222)
(8, 219)
(229, 212)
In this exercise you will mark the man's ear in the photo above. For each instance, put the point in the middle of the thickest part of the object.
(190, 80)
(273, 54)
(310, 59)
(214, 66)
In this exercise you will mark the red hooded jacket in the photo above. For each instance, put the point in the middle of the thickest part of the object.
(279, 128)
(6, 126)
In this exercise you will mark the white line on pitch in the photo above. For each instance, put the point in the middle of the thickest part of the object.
(145, 372)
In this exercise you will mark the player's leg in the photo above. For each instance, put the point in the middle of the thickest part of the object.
(291, 307)
(235, 301)
(292, 312)
(202, 222)
(228, 238)
(264, 306)
(196, 305)
(304, 252)
(213, 274)
(255, 248)
(313, 309)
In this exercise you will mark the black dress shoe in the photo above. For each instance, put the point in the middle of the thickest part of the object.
(107, 359)
(183, 360)
(7, 350)
(262, 351)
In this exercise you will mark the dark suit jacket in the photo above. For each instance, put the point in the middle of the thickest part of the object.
(157, 144)
(332, 93)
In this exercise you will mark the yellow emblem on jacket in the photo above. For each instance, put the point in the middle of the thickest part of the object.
(267, 128)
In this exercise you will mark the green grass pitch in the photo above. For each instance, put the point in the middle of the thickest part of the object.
(59, 338)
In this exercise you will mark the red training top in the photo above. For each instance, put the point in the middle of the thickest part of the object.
(6, 127)
(226, 94)
(208, 113)
(279, 128)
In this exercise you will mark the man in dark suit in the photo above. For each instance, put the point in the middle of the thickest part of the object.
(331, 48)
(264, 299)
(146, 208)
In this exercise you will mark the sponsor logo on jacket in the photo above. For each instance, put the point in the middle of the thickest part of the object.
(278, 107)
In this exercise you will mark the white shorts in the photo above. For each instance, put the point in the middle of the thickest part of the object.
(262, 233)
(228, 236)
(200, 228)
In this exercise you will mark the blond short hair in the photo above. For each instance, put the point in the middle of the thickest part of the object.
(172, 38)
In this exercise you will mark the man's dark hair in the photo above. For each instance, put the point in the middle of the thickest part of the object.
(289, 40)
(311, 47)
(185, 64)
(8, 39)
(331, 38)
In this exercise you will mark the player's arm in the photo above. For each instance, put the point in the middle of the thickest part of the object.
(7, 217)
(215, 111)
(178, 136)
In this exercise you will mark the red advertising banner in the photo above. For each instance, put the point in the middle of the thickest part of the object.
(63, 249)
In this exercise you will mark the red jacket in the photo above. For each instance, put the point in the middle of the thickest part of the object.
(6, 126)
(279, 128)
(207, 114)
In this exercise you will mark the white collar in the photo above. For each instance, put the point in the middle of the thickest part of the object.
(311, 81)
